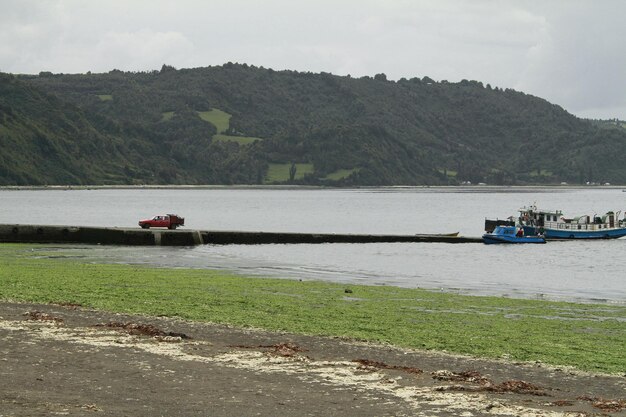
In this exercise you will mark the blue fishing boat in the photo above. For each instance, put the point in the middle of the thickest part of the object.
(553, 225)
(510, 234)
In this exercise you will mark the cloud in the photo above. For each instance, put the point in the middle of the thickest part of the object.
(64, 37)
(567, 51)
(580, 62)
(142, 50)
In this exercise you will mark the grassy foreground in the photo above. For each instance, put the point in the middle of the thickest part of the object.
(589, 337)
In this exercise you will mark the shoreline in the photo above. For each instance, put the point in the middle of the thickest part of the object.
(485, 187)
(587, 336)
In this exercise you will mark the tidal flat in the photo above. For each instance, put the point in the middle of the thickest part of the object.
(589, 337)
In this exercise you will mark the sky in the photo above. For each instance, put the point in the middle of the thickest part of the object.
(572, 53)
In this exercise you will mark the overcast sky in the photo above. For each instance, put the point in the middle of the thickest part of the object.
(572, 53)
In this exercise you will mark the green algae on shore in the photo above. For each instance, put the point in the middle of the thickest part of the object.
(586, 336)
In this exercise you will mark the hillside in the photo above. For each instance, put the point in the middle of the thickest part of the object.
(243, 124)
(45, 140)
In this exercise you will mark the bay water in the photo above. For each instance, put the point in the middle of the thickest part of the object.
(591, 271)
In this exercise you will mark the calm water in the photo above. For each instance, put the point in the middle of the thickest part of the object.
(583, 271)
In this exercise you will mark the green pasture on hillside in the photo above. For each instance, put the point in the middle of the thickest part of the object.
(541, 173)
(165, 116)
(341, 174)
(448, 172)
(280, 172)
(587, 336)
(221, 120)
(218, 118)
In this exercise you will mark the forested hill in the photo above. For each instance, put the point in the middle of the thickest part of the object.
(240, 124)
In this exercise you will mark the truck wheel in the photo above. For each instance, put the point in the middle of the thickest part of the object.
(145, 226)
(172, 227)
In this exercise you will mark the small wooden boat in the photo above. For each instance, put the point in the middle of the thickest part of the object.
(448, 234)
(510, 234)
(454, 234)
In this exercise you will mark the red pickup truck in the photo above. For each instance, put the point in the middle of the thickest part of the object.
(171, 221)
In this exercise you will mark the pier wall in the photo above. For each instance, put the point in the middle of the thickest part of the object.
(26, 233)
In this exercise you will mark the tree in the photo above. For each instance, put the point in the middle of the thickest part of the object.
(167, 68)
(292, 171)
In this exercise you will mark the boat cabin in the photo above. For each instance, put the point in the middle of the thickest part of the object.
(507, 230)
(531, 216)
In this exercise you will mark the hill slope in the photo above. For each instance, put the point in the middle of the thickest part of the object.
(45, 140)
(242, 124)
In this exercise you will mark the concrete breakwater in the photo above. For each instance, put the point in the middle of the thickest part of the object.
(26, 233)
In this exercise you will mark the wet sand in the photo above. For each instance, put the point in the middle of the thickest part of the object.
(67, 360)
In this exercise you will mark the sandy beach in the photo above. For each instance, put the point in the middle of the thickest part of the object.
(67, 360)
